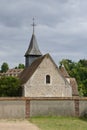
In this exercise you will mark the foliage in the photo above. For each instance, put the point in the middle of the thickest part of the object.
(4, 67)
(20, 66)
(79, 71)
(59, 123)
(9, 86)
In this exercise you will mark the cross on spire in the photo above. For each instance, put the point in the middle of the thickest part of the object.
(33, 25)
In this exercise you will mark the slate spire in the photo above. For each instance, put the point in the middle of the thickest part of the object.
(33, 51)
(33, 48)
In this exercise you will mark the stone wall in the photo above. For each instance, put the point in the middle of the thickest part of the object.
(83, 107)
(58, 106)
(12, 108)
(53, 107)
(28, 107)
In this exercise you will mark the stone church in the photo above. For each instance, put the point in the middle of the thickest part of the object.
(42, 77)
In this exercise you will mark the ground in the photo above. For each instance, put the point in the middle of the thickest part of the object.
(17, 125)
(60, 123)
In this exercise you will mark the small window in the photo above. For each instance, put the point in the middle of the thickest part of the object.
(47, 79)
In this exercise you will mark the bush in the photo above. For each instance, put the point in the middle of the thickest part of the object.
(9, 87)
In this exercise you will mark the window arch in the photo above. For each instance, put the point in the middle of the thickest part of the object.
(47, 79)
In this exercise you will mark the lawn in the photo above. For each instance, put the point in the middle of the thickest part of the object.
(60, 123)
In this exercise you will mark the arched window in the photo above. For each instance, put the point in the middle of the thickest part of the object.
(47, 79)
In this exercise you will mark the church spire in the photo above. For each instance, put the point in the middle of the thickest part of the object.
(33, 51)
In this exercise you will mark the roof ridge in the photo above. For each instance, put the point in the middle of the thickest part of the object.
(64, 71)
(30, 70)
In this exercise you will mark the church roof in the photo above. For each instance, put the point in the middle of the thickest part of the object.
(72, 81)
(74, 85)
(64, 72)
(28, 72)
(33, 48)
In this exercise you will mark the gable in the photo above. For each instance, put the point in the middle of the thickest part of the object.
(47, 67)
(44, 79)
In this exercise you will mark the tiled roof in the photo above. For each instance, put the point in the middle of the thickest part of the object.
(72, 81)
(12, 72)
(64, 72)
(28, 72)
(74, 85)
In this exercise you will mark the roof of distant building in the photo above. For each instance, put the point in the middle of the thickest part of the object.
(12, 72)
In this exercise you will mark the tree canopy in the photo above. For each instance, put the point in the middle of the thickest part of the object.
(79, 71)
(9, 87)
(20, 66)
(4, 67)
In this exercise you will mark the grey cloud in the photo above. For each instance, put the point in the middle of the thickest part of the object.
(61, 28)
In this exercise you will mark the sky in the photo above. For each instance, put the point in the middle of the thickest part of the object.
(61, 29)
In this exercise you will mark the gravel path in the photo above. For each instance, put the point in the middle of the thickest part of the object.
(17, 125)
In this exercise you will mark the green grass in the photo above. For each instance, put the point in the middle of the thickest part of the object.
(59, 123)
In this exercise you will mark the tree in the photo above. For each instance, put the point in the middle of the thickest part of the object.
(79, 71)
(9, 86)
(20, 66)
(4, 67)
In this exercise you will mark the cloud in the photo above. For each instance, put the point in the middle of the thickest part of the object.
(61, 28)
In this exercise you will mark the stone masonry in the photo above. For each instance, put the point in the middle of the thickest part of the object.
(36, 86)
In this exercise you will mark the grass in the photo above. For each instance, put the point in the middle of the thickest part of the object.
(60, 123)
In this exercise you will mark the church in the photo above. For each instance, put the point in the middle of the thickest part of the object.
(42, 77)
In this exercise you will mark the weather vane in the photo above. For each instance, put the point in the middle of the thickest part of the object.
(33, 25)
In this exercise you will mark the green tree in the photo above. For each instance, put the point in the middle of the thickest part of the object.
(79, 71)
(20, 66)
(4, 67)
(9, 86)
